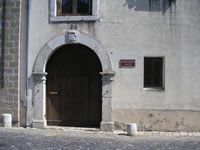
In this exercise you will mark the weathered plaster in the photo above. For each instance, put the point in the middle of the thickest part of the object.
(157, 120)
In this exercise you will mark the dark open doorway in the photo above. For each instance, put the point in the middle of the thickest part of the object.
(74, 87)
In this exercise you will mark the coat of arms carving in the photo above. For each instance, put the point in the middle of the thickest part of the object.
(73, 35)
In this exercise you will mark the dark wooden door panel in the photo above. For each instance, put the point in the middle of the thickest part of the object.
(73, 72)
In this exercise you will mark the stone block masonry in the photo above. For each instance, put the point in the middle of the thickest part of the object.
(9, 58)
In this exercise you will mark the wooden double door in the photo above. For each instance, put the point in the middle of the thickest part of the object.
(74, 87)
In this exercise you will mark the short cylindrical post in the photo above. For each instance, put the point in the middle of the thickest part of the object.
(7, 120)
(132, 129)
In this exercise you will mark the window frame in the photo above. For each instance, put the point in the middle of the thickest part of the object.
(57, 18)
(59, 10)
(155, 88)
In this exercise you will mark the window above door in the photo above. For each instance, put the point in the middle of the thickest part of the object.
(73, 10)
(74, 7)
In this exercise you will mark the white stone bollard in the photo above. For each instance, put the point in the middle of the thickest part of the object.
(7, 120)
(132, 129)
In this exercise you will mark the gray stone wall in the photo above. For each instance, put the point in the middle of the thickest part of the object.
(9, 58)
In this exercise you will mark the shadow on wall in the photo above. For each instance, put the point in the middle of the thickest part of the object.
(150, 5)
(2, 40)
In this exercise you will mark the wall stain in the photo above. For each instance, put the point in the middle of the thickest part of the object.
(150, 5)
(150, 115)
(177, 124)
(181, 123)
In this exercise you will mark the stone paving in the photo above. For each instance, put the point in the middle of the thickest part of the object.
(90, 139)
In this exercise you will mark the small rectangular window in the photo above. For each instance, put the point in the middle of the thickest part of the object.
(74, 7)
(73, 10)
(153, 72)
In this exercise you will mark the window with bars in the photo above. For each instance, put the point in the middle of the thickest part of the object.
(74, 7)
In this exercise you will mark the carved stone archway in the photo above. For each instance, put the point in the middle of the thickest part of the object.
(39, 76)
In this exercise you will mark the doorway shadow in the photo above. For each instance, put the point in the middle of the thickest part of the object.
(150, 5)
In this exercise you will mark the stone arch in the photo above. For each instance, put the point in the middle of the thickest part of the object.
(39, 76)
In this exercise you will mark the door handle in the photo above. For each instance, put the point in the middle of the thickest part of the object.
(53, 93)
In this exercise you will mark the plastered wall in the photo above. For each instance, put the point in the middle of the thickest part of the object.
(132, 29)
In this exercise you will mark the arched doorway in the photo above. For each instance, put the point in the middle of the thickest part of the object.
(39, 76)
(74, 87)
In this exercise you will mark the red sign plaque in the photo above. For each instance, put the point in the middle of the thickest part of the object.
(127, 63)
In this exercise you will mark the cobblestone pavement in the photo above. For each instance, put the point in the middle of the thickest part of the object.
(51, 139)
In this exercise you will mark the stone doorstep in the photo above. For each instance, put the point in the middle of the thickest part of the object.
(74, 129)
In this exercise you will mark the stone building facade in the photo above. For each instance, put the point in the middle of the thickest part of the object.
(108, 63)
(139, 33)
(10, 58)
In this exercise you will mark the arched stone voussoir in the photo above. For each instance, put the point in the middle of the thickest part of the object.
(72, 37)
(42, 58)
